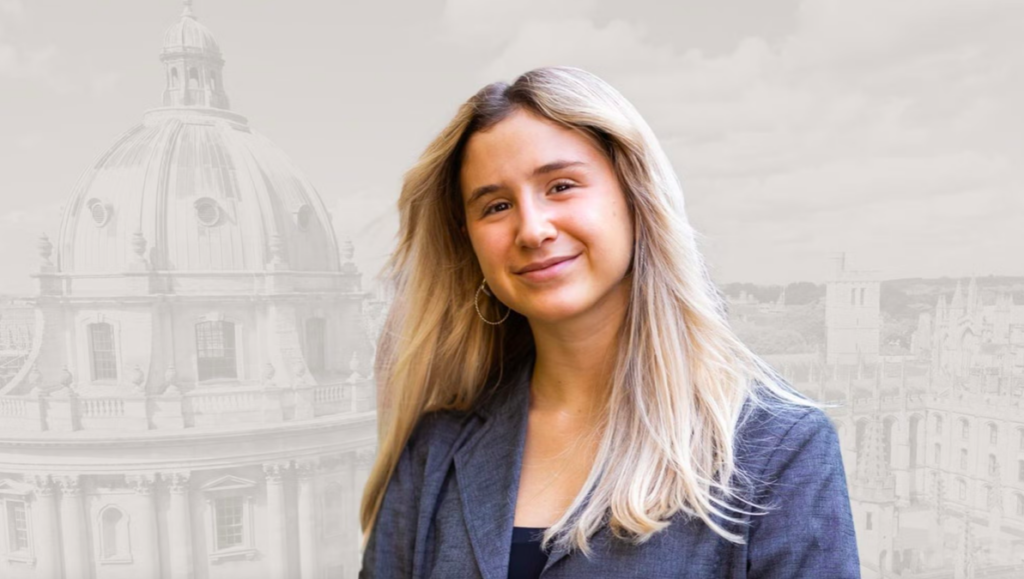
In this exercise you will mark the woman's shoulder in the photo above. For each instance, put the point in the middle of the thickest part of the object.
(773, 431)
(782, 447)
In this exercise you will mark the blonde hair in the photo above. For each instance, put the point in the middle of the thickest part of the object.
(681, 376)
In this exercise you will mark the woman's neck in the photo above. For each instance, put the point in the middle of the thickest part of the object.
(574, 363)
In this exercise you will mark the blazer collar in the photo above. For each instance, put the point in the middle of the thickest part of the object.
(487, 468)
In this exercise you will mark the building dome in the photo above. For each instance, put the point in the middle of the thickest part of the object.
(189, 35)
(195, 397)
(193, 188)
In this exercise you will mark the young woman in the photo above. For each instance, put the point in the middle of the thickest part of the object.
(564, 396)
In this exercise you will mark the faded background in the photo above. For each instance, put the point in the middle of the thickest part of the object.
(188, 308)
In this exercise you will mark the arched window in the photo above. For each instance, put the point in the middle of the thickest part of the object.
(993, 434)
(315, 330)
(213, 81)
(114, 539)
(1020, 505)
(938, 425)
(853, 297)
(215, 350)
(174, 78)
(965, 429)
(861, 296)
(101, 351)
(963, 459)
(993, 464)
(193, 78)
(938, 455)
(961, 485)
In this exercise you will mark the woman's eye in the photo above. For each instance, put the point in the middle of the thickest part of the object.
(490, 209)
(556, 188)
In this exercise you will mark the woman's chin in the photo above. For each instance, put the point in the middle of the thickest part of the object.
(552, 313)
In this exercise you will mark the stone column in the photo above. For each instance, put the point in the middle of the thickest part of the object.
(277, 555)
(47, 533)
(72, 519)
(309, 567)
(351, 533)
(144, 533)
(179, 525)
(361, 472)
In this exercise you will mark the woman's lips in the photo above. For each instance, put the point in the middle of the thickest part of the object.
(549, 272)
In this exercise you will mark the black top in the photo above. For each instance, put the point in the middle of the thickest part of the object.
(526, 560)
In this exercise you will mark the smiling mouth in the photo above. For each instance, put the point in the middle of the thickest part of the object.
(550, 271)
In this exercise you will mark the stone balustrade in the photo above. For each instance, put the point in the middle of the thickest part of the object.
(208, 407)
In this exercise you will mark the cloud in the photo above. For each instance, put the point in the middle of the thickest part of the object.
(487, 24)
(877, 104)
(105, 82)
(30, 141)
(23, 63)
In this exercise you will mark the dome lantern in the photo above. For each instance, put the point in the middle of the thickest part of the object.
(193, 65)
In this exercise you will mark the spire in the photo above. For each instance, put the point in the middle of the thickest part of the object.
(995, 499)
(958, 298)
(872, 469)
(966, 556)
(972, 294)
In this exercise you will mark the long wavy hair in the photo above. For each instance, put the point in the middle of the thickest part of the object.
(681, 376)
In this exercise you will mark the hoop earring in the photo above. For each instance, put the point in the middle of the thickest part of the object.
(476, 304)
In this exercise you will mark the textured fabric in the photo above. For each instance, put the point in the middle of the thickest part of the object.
(449, 507)
(527, 559)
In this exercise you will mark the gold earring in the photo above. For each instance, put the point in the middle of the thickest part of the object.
(476, 304)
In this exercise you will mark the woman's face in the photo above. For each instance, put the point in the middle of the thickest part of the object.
(534, 192)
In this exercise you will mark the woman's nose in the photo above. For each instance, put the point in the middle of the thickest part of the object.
(535, 226)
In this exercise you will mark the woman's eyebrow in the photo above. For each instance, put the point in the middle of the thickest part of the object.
(546, 168)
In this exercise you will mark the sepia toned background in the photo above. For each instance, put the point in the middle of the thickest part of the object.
(196, 197)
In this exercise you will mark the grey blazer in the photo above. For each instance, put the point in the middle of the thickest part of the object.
(448, 509)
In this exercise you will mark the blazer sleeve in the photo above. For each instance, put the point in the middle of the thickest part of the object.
(808, 531)
(389, 548)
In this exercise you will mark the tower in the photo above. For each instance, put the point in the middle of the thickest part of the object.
(852, 314)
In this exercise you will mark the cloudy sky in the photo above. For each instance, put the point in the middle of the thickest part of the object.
(888, 129)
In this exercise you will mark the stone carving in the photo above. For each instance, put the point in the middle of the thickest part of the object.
(45, 248)
(275, 471)
(177, 482)
(142, 484)
(42, 485)
(70, 485)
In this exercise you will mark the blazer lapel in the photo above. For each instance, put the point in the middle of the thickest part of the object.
(487, 469)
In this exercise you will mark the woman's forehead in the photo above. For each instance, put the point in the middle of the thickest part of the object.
(517, 146)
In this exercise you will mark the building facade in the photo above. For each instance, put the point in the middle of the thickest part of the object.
(933, 437)
(197, 400)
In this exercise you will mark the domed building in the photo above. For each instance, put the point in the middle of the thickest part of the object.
(198, 399)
